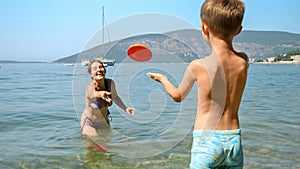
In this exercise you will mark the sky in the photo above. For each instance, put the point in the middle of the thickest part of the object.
(47, 30)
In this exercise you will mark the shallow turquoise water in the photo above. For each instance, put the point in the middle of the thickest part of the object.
(40, 105)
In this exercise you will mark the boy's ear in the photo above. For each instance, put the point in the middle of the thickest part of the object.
(239, 30)
(204, 28)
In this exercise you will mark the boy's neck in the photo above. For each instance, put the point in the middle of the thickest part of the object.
(219, 45)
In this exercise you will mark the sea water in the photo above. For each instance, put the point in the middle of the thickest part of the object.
(40, 105)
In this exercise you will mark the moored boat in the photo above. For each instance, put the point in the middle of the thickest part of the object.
(85, 62)
(69, 64)
(107, 62)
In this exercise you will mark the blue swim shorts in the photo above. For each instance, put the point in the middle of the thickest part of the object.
(217, 149)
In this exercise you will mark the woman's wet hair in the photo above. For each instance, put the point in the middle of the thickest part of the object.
(93, 61)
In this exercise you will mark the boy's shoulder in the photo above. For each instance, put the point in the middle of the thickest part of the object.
(196, 62)
(197, 65)
(244, 56)
(204, 61)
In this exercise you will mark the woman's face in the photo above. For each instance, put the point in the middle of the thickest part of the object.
(97, 71)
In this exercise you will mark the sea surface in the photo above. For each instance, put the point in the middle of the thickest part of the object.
(40, 104)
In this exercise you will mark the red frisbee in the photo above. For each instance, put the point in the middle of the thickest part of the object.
(139, 52)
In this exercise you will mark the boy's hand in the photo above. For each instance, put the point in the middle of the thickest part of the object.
(156, 76)
(130, 111)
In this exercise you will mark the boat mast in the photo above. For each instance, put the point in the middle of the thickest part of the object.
(102, 25)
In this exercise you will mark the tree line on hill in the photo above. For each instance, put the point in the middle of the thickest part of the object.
(287, 56)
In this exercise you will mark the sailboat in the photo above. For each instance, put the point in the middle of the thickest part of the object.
(69, 64)
(105, 61)
(85, 62)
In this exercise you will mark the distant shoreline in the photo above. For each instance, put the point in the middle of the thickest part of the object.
(13, 61)
(277, 63)
(258, 63)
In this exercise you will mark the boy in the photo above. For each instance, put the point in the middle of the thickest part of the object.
(99, 95)
(221, 79)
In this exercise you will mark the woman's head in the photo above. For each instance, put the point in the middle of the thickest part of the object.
(96, 70)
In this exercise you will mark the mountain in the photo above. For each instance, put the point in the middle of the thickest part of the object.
(263, 44)
(188, 44)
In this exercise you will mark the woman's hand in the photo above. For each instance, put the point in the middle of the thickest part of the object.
(104, 95)
(130, 111)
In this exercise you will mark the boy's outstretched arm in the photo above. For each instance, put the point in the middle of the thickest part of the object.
(171, 90)
(178, 94)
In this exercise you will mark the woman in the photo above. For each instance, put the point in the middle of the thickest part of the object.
(100, 94)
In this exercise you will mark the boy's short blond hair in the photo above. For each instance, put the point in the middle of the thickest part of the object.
(223, 17)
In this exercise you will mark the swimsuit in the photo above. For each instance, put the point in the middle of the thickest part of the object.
(217, 149)
(98, 105)
(96, 125)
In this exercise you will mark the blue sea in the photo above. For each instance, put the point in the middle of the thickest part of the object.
(40, 104)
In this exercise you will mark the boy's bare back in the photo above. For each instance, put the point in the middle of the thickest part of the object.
(221, 81)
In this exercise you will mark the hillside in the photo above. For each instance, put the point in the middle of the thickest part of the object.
(189, 44)
(263, 44)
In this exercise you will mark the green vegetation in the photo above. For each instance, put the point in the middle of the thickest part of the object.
(287, 56)
(293, 53)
